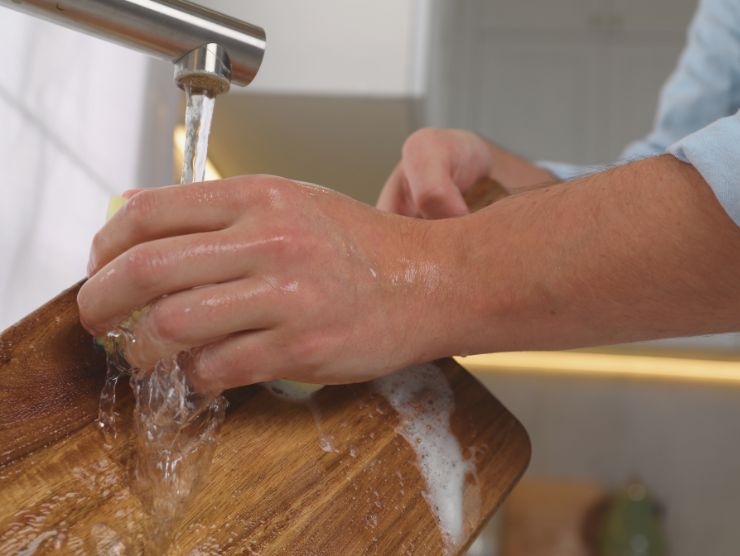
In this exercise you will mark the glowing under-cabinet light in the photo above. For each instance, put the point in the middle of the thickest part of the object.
(606, 365)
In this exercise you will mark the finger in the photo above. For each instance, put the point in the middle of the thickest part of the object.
(239, 360)
(131, 192)
(395, 195)
(432, 188)
(201, 316)
(164, 266)
(156, 213)
(439, 198)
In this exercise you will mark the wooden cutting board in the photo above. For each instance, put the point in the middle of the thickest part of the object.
(273, 488)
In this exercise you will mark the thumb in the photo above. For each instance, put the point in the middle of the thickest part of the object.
(432, 187)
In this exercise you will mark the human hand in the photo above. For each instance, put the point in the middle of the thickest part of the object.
(436, 168)
(268, 278)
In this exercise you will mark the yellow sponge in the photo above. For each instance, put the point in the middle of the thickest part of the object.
(114, 204)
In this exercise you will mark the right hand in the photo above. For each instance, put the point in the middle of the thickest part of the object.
(268, 278)
(437, 166)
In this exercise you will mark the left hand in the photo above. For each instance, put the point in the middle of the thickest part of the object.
(437, 166)
(269, 278)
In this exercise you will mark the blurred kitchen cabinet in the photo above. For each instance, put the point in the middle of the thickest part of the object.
(529, 15)
(575, 15)
(651, 16)
(536, 92)
(637, 70)
(573, 80)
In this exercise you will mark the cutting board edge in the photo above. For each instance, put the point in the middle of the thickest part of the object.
(42, 309)
(520, 432)
(524, 467)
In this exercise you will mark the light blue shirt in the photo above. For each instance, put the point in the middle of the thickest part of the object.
(698, 120)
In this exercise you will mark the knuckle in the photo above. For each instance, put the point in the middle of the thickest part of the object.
(140, 209)
(205, 365)
(289, 241)
(423, 137)
(280, 244)
(99, 243)
(267, 183)
(431, 198)
(166, 324)
(280, 193)
(215, 369)
(272, 191)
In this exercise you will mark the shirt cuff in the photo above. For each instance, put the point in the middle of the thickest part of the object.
(566, 172)
(715, 153)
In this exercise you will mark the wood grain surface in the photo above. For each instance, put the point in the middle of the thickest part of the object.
(50, 378)
(271, 488)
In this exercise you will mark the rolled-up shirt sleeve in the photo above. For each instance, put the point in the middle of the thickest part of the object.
(715, 152)
(564, 171)
(696, 119)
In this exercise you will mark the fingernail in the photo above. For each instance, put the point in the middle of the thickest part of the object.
(130, 193)
(90, 268)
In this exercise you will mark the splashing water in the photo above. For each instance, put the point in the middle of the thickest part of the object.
(174, 428)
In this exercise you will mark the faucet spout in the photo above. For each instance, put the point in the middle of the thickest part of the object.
(202, 43)
(206, 69)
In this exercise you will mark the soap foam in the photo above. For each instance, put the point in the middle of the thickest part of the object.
(425, 402)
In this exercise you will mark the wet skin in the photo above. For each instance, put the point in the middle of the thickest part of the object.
(270, 278)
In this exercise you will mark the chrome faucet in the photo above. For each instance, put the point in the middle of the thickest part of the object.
(210, 50)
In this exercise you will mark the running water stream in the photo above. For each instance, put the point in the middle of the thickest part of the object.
(174, 428)
(198, 116)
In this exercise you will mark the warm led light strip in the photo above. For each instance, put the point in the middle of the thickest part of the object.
(179, 138)
(605, 365)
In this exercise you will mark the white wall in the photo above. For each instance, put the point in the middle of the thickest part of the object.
(72, 135)
(337, 47)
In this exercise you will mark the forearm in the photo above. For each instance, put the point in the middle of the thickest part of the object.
(515, 173)
(639, 252)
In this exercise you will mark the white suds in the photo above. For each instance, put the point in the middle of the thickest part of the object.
(424, 401)
(292, 391)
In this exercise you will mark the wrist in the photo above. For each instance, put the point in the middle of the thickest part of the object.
(454, 305)
(492, 299)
